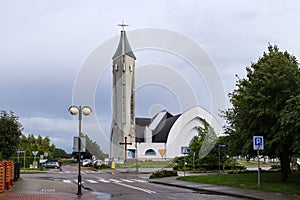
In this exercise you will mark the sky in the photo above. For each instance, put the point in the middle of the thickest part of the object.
(46, 45)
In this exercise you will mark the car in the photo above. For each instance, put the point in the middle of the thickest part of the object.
(53, 163)
(87, 162)
(97, 163)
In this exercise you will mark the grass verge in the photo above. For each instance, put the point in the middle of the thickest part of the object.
(269, 181)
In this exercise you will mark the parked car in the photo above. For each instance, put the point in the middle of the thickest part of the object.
(97, 163)
(52, 163)
(87, 162)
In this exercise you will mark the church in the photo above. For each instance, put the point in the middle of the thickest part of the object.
(161, 136)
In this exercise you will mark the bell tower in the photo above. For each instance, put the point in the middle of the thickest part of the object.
(123, 70)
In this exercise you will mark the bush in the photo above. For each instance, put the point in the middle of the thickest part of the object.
(275, 167)
(163, 173)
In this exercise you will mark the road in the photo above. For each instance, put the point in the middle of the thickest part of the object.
(109, 185)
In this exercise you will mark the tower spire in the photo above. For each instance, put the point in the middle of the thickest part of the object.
(124, 47)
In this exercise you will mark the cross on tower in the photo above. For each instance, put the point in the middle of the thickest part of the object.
(123, 25)
(125, 148)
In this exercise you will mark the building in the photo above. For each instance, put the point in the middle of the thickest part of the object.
(146, 137)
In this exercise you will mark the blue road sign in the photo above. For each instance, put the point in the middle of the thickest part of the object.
(258, 142)
(185, 150)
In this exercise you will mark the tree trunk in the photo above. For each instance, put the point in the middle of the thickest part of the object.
(285, 166)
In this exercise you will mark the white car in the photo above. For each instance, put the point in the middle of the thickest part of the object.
(87, 162)
(97, 163)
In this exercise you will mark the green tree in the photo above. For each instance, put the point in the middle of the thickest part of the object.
(60, 153)
(31, 143)
(262, 104)
(94, 149)
(10, 132)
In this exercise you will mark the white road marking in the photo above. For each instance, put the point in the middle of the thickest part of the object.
(91, 181)
(141, 181)
(77, 181)
(115, 181)
(126, 180)
(66, 181)
(136, 188)
(103, 180)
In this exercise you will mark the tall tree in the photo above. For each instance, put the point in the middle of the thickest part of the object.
(94, 149)
(10, 132)
(261, 106)
(31, 143)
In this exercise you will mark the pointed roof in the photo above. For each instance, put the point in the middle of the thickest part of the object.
(124, 47)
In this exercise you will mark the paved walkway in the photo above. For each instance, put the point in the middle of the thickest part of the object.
(224, 190)
(39, 189)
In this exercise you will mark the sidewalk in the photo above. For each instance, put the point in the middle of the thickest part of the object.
(224, 190)
(39, 189)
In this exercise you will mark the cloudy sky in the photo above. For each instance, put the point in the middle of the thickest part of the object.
(45, 44)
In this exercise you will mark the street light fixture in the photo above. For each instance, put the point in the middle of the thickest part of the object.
(74, 110)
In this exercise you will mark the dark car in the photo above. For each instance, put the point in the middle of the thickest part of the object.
(53, 163)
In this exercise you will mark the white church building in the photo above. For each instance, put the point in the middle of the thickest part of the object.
(147, 137)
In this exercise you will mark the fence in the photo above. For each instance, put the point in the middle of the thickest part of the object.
(9, 172)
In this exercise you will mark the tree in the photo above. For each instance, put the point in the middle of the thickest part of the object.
(31, 143)
(60, 153)
(94, 149)
(10, 132)
(262, 104)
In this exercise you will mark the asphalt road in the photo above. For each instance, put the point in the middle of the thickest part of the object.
(122, 186)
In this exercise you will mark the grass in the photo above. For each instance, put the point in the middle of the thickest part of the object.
(148, 164)
(269, 181)
(254, 163)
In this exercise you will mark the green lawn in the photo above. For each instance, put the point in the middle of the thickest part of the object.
(148, 164)
(269, 181)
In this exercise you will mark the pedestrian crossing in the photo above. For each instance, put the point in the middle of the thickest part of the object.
(83, 172)
(109, 180)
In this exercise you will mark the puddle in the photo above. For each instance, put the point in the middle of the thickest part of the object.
(102, 196)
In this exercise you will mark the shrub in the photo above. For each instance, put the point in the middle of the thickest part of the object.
(163, 173)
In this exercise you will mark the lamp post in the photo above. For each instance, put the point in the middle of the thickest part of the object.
(74, 110)
(220, 146)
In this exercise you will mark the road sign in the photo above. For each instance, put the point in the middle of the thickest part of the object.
(185, 150)
(258, 142)
(162, 152)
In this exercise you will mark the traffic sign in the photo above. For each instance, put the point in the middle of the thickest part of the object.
(185, 150)
(258, 142)
(162, 152)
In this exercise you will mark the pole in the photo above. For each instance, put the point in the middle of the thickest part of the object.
(194, 153)
(136, 156)
(219, 157)
(24, 158)
(79, 154)
(125, 153)
(258, 165)
(184, 165)
(18, 156)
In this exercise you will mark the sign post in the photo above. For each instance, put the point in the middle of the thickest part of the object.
(162, 152)
(258, 144)
(184, 151)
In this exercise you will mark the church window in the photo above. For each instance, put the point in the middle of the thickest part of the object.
(124, 67)
(150, 152)
(130, 68)
(116, 67)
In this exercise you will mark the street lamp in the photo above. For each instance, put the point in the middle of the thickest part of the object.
(220, 146)
(74, 110)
